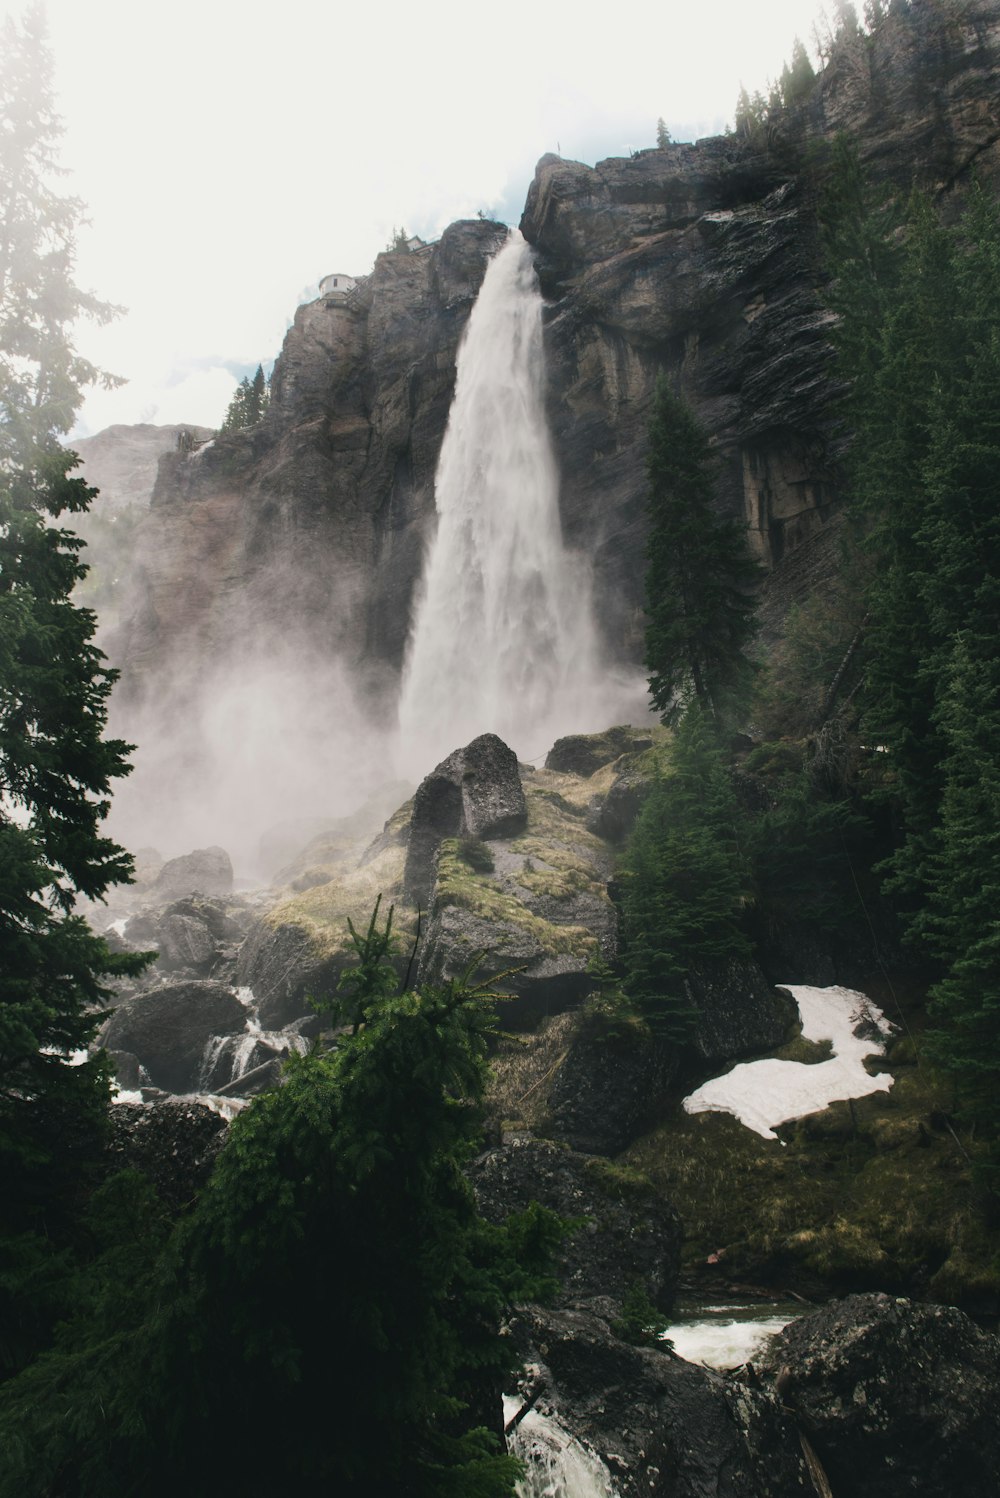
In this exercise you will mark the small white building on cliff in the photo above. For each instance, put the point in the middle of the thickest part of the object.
(337, 284)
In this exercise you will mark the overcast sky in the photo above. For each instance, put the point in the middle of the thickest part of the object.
(231, 152)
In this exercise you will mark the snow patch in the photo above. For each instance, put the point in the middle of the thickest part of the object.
(763, 1094)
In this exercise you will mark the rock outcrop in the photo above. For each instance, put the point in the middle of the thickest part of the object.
(206, 871)
(625, 1235)
(698, 259)
(170, 1028)
(474, 793)
(896, 1398)
(664, 1428)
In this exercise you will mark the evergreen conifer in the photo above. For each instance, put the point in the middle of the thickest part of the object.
(700, 579)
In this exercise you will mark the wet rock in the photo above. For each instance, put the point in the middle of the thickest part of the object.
(476, 792)
(630, 1235)
(283, 967)
(128, 1070)
(613, 816)
(610, 1086)
(206, 871)
(663, 1427)
(169, 1029)
(583, 753)
(255, 1081)
(173, 1143)
(739, 1012)
(897, 1398)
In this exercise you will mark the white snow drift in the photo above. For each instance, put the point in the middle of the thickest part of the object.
(762, 1094)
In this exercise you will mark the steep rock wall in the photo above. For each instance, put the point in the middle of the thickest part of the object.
(309, 528)
(701, 260)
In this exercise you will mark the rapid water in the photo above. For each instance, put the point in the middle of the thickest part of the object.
(503, 637)
(556, 1465)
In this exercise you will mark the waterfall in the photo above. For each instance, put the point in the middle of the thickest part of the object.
(556, 1465)
(503, 637)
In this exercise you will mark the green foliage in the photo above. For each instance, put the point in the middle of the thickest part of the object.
(640, 1322)
(684, 880)
(362, 988)
(797, 77)
(249, 404)
(476, 853)
(399, 243)
(56, 768)
(333, 1279)
(700, 578)
(663, 136)
(919, 315)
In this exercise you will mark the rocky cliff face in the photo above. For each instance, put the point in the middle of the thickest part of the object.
(311, 526)
(703, 260)
(697, 259)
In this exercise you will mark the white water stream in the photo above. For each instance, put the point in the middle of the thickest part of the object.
(556, 1464)
(503, 637)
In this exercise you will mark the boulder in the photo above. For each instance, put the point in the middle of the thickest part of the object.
(629, 1236)
(476, 792)
(185, 942)
(609, 1087)
(583, 753)
(739, 1012)
(173, 1143)
(255, 1081)
(170, 1030)
(613, 815)
(206, 871)
(283, 967)
(540, 977)
(663, 1427)
(896, 1398)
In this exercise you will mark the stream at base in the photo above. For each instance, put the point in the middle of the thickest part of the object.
(727, 1335)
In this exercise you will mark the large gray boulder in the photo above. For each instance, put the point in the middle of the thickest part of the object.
(206, 871)
(629, 1234)
(174, 1143)
(896, 1398)
(283, 967)
(476, 792)
(170, 1029)
(610, 1085)
(663, 1427)
(738, 1012)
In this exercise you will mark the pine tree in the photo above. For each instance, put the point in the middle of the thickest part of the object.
(684, 880)
(334, 1274)
(700, 578)
(56, 767)
(663, 136)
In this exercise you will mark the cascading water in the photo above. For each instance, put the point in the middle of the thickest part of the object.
(503, 639)
(556, 1465)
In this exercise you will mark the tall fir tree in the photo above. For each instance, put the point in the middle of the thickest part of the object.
(684, 880)
(334, 1273)
(700, 578)
(56, 766)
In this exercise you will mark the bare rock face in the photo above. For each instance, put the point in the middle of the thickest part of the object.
(476, 792)
(629, 1235)
(316, 519)
(122, 461)
(897, 1398)
(168, 1029)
